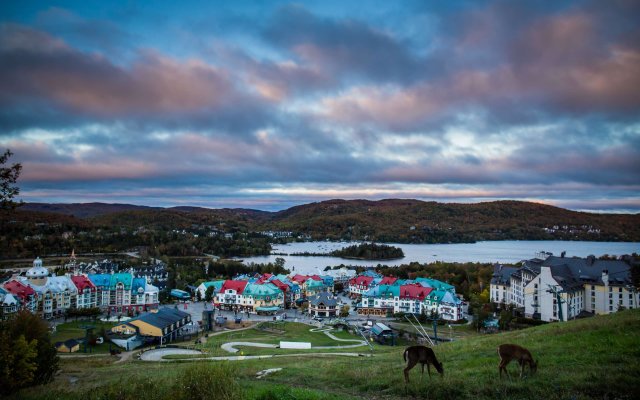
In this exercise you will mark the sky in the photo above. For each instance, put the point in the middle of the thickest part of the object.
(267, 105)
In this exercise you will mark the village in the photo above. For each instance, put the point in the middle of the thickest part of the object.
(546, 288)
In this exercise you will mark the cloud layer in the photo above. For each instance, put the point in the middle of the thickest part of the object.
(270, 106)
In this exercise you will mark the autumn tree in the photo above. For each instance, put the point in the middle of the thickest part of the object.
(8, 178)
(27, 356)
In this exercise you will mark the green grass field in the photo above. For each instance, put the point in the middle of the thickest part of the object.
(72, 330)
(591, 358)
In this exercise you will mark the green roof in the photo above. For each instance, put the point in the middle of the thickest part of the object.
(436, 284)
(124, 278)
(272, 308)
(436, 295)
(261, 291)
(312, 283)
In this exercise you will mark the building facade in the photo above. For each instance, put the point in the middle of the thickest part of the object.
(563, 288)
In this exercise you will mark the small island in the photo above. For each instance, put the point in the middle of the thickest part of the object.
(369, 251)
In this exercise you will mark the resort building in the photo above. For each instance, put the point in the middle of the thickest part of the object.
(163, 326)
(323, 305)
(562, 288)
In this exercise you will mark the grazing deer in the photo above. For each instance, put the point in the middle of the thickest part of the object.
(423, 355)
(509, 352)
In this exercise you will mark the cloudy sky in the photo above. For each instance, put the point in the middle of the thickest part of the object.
(271, 104)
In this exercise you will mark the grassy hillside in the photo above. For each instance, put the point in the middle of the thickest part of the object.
(592, 358)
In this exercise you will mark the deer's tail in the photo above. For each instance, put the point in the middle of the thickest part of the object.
(404, 355)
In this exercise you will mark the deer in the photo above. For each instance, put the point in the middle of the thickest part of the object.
(509, 352)
(423, 355)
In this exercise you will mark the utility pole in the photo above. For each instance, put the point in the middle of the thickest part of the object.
(559, 300)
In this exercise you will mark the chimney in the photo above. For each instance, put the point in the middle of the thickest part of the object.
(563, 254)
(605, 277)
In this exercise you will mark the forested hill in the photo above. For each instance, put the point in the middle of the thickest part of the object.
(432, 222)
(392, 220)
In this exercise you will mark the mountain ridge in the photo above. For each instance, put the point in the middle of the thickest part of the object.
(387, 220)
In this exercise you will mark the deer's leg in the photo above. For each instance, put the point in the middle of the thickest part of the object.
(503, 366)
(410, 364)
(429, 369)
(422, 364)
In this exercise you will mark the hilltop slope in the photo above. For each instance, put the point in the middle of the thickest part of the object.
(592, 358)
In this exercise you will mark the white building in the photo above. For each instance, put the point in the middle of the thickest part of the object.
(561, 288)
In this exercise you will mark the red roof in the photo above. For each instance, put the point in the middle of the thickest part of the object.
(300, 278)
(361, 280)
(82, 282)
(315, 278)
(19, 289)
(414, 291)
(238, 286)
(388, 280)
(279, 284)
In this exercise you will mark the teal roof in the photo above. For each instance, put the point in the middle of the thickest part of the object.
(312, 283)
(124, 278)
(261, 291)
(216, 284)
(434, 283)
(272, 308)
(383, 291)
(436, 295)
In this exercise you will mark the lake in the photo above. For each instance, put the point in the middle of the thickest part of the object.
(507, 251)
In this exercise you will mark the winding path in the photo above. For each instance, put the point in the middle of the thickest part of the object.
(159, 354)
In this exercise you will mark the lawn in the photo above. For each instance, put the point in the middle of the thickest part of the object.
(73, 330)
(592, 358)
(275, 333)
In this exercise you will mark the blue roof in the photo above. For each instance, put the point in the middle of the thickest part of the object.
(100, 280)
(181, 294)
(138, 283)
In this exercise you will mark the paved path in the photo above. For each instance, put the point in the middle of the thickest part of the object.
(158, 354)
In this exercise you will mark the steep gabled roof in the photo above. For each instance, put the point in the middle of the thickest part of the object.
(502, 274)
(82, 283)
(19, 289)
(261, 290)
(238, 286)
(102, 281)
(388, 280)
(414, 291)
(361, 280)
(279, 284)
(125, 278)
(323, 298)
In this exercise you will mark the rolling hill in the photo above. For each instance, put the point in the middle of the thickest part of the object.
(392, 220)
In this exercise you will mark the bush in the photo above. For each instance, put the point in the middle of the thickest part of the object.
(206, 381)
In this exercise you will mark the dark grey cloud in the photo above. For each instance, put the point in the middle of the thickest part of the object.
(349, 48)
